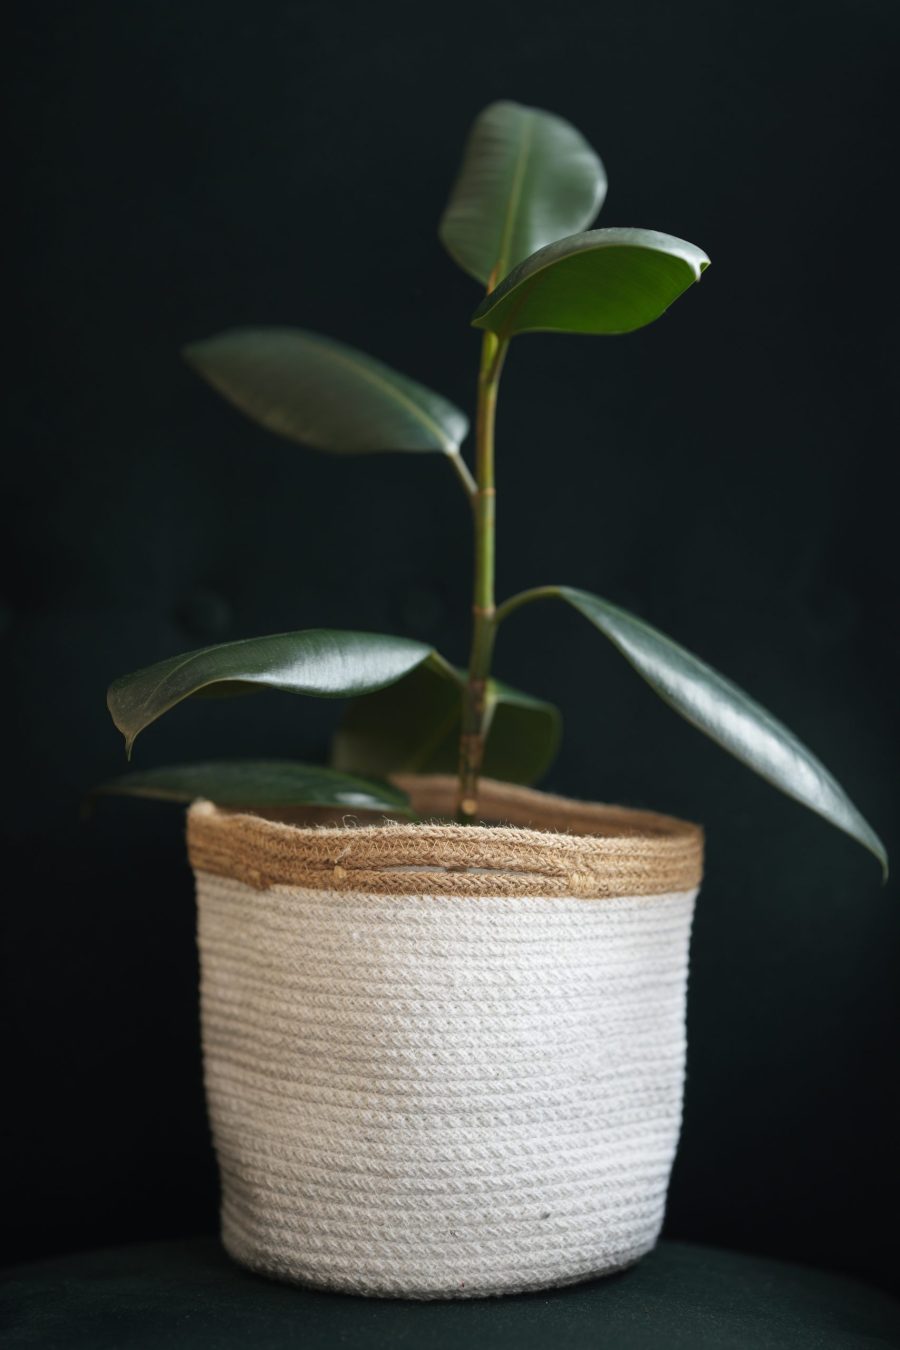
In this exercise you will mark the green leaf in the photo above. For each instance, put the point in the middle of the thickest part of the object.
(256, 783)
(523, 735)
(323, 662)
(527, 178)
(327, 395)
(408, 727)
(727, 715)
(605, 281)
(414, 726)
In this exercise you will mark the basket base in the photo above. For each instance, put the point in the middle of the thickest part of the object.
(274, 1269)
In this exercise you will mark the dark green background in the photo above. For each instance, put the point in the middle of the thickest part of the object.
(184, 166)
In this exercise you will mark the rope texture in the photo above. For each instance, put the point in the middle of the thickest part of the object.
(577, 849)
(417, 1096)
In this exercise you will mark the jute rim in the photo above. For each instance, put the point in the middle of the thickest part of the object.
(545, 846)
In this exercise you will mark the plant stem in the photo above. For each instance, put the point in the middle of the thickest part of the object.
(461, 469)
(524, 598)
(474, 709)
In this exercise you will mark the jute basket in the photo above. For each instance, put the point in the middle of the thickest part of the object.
(444, 1061)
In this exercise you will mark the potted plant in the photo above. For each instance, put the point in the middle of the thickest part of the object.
(444, 1034)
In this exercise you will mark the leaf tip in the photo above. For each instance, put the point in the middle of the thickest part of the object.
(873, 843)
(190, 352)
(882, 857)
(196, 354)
(115, 713)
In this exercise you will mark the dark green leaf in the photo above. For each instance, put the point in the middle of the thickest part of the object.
(727, 715)
(523, 735)
(257, 783)
(413, 727)
(605, 281)
(323, 662)
(327, 395)
(408, 727)
(527, 178)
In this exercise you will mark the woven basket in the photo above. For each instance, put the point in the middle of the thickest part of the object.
(444, 1061)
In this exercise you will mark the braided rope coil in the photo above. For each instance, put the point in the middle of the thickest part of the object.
(431, 1090)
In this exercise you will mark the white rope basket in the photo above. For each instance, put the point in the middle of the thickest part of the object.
(446, 1089)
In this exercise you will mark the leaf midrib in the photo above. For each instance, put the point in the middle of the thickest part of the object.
(380, 382)
(501, 266)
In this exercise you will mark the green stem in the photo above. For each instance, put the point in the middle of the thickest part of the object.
(461, 468)
(524, 598)
(474, 709)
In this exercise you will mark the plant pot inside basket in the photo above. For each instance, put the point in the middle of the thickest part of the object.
(444, 1060)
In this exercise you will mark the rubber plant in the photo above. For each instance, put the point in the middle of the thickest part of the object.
(518, 222)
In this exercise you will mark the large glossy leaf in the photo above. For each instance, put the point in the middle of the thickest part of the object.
(727, 715)
(604, 281)
(413, 727)
(327, 395)
(323, 662)
(527, 178)
(258, 783)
